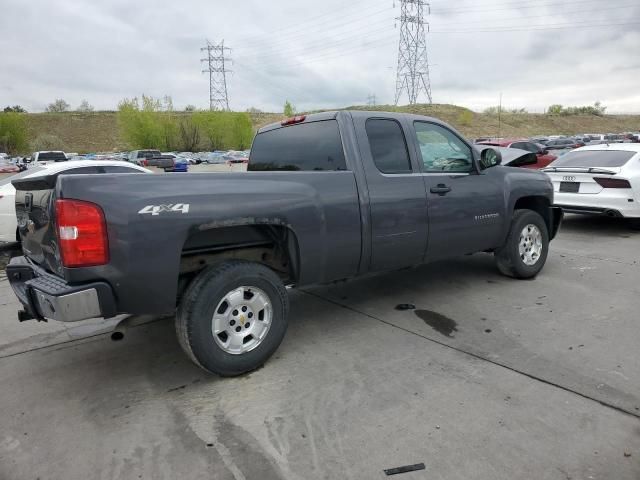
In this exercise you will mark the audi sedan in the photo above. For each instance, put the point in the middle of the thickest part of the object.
(599, 180)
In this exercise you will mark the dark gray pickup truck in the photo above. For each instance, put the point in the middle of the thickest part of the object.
(328, 196)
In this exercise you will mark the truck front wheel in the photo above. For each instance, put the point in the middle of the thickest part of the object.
(232, 317)
(525, 252)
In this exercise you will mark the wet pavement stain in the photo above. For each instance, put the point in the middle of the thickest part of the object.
(441, 324)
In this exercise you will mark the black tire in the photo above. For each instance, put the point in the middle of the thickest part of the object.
(508, 257)
(634, 223)
(198, 304)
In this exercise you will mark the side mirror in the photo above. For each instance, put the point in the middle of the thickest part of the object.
(490, 158)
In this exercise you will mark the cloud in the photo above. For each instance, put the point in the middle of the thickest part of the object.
(319, 55)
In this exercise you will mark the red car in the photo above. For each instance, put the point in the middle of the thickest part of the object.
(542, 154)
(8, 168)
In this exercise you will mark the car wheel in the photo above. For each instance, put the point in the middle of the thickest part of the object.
(525, 251)
(634, 223)
(232, 317)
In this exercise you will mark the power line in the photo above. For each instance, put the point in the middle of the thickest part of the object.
(216, 68)
(413, 65)
(301, 27)
(509, 6)
(556, 26)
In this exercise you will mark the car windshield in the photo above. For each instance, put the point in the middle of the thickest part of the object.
(30, 171)
(594, 158)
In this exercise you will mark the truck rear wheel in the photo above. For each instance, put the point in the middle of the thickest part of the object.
(525, 251)
(232, 317)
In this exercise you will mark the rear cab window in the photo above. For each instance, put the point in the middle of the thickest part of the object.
(388, 146)
(312, 146)
(52, 157)
(594, 158)
(148, 153)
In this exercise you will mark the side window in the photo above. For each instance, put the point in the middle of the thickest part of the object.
(442, 150)
(388, 146)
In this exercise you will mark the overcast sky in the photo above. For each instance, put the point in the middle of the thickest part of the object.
(319, 54)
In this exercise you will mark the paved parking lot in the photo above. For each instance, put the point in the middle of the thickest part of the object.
(489, 378)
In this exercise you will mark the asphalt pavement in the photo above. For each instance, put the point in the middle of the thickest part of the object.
(487, 378)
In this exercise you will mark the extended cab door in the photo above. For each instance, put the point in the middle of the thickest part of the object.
(465, 205)
(397, 203)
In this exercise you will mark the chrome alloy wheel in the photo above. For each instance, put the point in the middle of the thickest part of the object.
(241, 320)
(530, 244)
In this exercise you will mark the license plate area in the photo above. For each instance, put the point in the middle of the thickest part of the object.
(569, 187)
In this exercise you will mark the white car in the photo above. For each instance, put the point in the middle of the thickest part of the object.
(8, 223)
(599, 179)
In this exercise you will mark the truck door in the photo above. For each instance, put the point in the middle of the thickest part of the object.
(465, 205)
(397, 203)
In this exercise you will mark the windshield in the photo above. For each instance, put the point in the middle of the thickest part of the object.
(594, 158)
(30, 171)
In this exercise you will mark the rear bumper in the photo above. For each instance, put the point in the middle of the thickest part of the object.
(47, 297)
(615, 204)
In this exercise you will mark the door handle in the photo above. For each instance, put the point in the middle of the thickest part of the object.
(441, 189)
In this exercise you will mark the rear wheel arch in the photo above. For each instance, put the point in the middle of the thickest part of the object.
(273, 245)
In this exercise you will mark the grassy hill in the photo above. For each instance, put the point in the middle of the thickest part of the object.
(98, 131)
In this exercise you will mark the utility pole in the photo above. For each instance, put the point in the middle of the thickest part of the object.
(371, 100)
(413, 64)
(500, 115)
(215, 67)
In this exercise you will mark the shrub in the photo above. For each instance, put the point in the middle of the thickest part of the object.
(47, 141)
(13, 133)
(289, 109)
(465, 118)
(225, 130)
(150, 127)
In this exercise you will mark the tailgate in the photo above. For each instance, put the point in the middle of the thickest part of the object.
(34, 211)
(160, 162)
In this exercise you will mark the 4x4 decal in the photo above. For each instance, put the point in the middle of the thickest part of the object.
(172, 207)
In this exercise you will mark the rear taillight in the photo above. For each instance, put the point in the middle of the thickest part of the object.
(145, 163)
(612, 182)
(82, 233)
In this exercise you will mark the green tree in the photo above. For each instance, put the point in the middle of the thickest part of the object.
(189, 134)
(555, 109)
(84, 107)
(225, 130)
(289, 109)
(190, 108)
(140, 127)
(13, 133)
(15, 108)
(58, 105)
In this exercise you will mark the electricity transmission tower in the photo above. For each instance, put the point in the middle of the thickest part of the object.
(215, 67)
(413, 65)
(371, 100)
